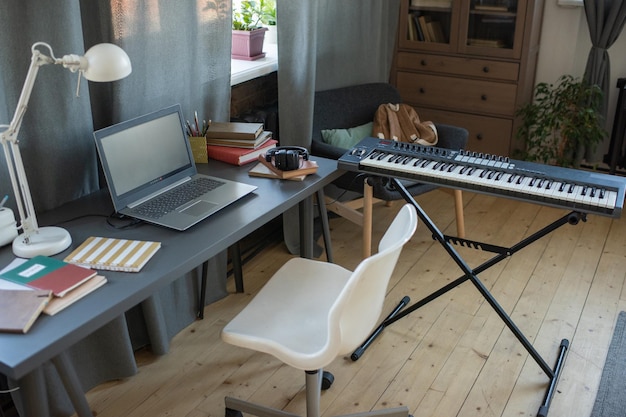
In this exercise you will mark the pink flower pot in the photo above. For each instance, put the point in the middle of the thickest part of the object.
(248, 44)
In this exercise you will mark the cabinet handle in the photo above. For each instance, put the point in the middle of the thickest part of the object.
(485, 69)
(423, 62)
(422, 90)
(479, 136)
(483, 97)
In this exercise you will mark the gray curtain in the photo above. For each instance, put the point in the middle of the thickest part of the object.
(180, 53)
(325, 44)
(605, 19)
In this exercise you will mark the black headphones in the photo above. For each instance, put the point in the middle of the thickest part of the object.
(287, 158)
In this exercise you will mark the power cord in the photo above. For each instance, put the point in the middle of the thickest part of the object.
(120, 221)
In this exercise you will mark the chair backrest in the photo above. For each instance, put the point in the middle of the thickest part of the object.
(359, 307)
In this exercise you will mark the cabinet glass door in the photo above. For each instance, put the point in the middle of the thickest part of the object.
(491, 28)
(429, 25)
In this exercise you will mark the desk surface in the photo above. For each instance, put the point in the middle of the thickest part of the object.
(180, 252)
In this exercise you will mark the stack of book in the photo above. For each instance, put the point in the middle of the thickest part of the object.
(238, 143)
(64, 284)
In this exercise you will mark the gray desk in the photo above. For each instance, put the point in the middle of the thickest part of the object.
(181, 252)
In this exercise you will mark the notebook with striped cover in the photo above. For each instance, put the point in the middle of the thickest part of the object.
(113, 254)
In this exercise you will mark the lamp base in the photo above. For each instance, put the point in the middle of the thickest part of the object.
(45, 241)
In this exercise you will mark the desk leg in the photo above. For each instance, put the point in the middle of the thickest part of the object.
(305, 208)
(325, 227)
(202, 299)
(72, 385)
(235, 256)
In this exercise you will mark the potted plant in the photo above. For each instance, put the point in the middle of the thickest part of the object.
(268, 17)
(562, 120)
(248, 34)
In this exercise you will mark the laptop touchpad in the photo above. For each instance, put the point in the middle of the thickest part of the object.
(198, 208)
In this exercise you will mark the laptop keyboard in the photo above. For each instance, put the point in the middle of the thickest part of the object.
(165, 203)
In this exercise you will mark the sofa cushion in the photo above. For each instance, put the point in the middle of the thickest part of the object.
(347, 138)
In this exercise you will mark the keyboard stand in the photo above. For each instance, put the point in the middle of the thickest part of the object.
(471, 274)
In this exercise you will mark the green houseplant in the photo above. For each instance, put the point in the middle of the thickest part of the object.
(268, 18)
(248, 34)
(562, 120)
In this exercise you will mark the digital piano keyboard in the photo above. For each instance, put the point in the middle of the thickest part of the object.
(578, 190)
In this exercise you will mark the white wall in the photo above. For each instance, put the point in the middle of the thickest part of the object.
(564, 48)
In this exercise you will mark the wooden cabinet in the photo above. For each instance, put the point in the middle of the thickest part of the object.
(469, 63)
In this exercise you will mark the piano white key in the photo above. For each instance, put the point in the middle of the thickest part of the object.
(478, 172)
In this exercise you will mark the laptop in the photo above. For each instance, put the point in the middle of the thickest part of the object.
(151, 174)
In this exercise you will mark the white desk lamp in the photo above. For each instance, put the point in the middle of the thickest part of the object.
(102, 62)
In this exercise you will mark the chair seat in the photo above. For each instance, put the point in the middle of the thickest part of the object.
(300, 294)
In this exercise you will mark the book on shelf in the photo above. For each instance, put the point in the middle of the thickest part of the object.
(234, 130)
(491, 7)
(491, 43)
(412, 29)
(418, 27)
(20, 308)
(57, 304)
(239, 156)
(46, 273)
(432, 3)
(422, 21)
(242, 143)
(113, 254)
(436, 32)
(306, 167)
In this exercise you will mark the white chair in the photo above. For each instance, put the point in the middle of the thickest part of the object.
(311, 312)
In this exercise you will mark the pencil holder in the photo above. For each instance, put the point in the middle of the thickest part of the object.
(8, 229)
(198, 149)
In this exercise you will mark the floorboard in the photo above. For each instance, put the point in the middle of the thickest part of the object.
(452, 357)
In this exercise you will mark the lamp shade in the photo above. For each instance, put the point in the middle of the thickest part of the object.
(105, 62)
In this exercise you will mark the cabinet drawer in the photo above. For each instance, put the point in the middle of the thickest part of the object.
(486, 134)
(451, 93)
(481, 68)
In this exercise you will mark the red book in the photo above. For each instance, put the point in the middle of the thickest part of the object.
(238, 156)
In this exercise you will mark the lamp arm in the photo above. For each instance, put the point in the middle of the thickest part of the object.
(15, 165)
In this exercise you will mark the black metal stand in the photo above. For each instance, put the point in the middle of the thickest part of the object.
(471, 275)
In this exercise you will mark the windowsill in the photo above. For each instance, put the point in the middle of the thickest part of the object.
(241, 70)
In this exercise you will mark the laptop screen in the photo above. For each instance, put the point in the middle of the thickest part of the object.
(145, 154)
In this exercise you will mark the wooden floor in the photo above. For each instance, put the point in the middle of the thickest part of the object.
(452, 357)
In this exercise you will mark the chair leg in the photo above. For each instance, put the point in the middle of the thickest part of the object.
(460, 217)
(235, 404)
(368, 209)
(313, 392)
(313, 397)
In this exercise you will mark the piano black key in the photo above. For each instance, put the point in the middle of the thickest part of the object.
(555, 186)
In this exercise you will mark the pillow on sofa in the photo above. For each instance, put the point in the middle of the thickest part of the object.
(347, 138)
